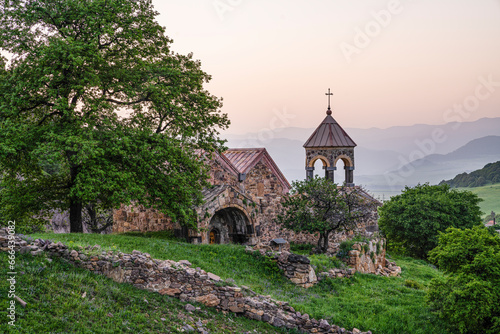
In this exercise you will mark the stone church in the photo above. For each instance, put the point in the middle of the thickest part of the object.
(247, 188)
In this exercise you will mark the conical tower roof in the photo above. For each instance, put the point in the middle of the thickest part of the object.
(329, 134)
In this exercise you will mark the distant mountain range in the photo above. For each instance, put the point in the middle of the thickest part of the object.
(393, 157)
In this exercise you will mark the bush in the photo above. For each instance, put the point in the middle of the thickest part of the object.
(413, 284)
(413, 219)
(469, 296)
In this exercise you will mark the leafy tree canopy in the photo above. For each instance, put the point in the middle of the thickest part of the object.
(468, 297)
(321, 206)
(95, 108)
(415, 217)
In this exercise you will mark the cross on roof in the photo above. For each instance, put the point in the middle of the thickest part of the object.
(329, 111)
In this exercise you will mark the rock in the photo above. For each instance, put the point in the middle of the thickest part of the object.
(37, 252)
(190, 308)
(188, 328)
(213, 277)
(278, 322)
(266, 317)
(73, 253)
(323, 324)
(236, 309)
(170, 291)
(82, 256)
(210, 300)
(356, 331)
(185, 262)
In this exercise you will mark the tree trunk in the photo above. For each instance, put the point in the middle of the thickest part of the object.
(323, 242)
(326, 241)
(75, 216)
(75, 206)
(319, 249)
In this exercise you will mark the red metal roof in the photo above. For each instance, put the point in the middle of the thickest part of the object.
(329, 134)
(244, 159)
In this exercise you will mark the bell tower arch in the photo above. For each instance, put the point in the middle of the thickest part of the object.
(330, 143)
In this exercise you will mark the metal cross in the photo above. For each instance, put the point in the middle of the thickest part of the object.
(329, 94)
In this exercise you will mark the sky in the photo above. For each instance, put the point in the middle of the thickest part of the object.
(387, 63)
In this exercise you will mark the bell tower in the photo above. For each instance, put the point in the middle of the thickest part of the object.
(330, 143)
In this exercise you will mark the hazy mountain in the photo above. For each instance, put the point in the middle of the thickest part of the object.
(401, 139)
(437, 167)
(388, 159)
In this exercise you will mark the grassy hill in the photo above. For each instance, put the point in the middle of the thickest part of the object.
(384, 305)
(489, 174)
(491, 196)
(64, 299)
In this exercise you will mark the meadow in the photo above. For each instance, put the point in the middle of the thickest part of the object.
(388, 305)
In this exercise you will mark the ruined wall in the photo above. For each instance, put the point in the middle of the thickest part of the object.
(176, 279)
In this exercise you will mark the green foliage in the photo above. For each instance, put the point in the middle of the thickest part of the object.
(303, 249)
(380, 304)
(413, 219)
(469, 296)
(489, 174)
(320, 206)
(95, 108)
(366, 248)
(413, 284)
(323, 262)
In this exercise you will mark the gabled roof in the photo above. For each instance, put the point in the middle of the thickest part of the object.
(329, 134)
(244, 159)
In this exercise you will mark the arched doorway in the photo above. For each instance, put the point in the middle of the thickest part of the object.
(229, 225)
(214, 236)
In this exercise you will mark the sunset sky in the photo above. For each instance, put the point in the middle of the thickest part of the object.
(387, 62)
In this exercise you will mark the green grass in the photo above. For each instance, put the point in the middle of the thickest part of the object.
(380, 304)
(54, 290)
(490, 195)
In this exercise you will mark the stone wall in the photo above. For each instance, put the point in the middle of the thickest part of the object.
(176, 279)
(296, 268)
(131, 218)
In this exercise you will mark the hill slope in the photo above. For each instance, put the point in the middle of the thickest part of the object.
(489, 174)
(368, 302)
(65, 299)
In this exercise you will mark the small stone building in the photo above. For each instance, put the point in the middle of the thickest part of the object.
(247, 188)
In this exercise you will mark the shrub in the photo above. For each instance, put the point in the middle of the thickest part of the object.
(413, 220)
(469, 296)
(413, 284)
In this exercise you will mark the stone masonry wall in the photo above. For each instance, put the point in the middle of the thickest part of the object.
(176, 279)
(131, 218)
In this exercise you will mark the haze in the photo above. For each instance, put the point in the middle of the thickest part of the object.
(282, 56)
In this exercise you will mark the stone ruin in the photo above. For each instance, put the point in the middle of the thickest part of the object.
(364, 257)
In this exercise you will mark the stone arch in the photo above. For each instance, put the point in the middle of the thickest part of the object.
(230, 224)
(348, 167)
(322, 158)
(346, 159)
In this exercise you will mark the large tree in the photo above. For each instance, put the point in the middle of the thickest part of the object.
(320, 206)
(414, 218)
(96, 109)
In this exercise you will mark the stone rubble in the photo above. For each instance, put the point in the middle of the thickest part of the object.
(179, 280)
